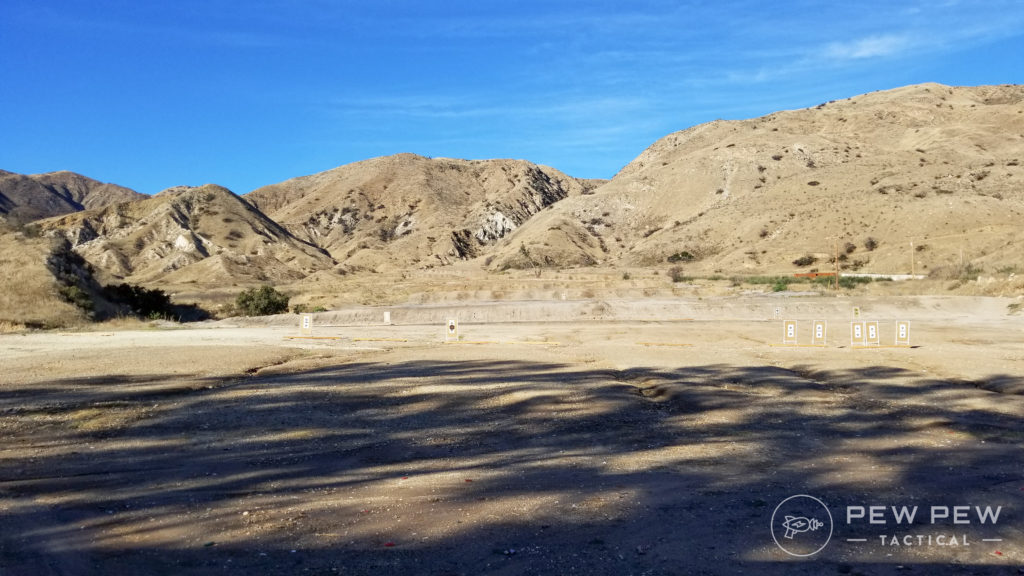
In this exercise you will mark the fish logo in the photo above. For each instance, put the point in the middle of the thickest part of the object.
(801, 525)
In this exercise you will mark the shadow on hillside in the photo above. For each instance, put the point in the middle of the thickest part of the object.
(495, 466)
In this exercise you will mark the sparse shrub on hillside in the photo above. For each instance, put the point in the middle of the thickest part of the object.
(805, 260)
(261, 301)
(682, 256)
(849, 247)
(75, 282)
(961, 272)
(870, 244)
(31, 231)
(676, 274)
(72, 294)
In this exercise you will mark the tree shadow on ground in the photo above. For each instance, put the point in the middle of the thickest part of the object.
(508, 467)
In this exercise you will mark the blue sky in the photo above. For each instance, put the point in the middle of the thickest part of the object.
(246, 93)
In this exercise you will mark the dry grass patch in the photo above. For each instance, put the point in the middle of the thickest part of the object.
(30, 293)
(7, 327)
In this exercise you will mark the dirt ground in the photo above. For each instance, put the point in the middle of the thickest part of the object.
(576, 437)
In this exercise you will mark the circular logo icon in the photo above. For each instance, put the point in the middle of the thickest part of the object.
(801, 525)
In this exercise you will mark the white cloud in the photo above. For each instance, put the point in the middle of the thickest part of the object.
(870, 47)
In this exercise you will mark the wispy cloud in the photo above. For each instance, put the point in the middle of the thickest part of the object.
(870, 47)
(447, 107)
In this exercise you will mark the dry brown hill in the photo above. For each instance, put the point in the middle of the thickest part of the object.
(31, 294)
(407, 210)
(934, 165)
(24, 198)
(202, 234)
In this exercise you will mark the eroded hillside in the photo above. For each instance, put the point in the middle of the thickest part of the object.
(932, 165)
(410, 211)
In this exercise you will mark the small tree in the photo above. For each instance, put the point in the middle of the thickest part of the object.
(261, 301)
(143, 302)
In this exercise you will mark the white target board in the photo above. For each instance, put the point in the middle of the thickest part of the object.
(778, 312)
(387, 317)
(871, 333)
(819, 333)
(789, 332)
(857, 333)
(306, 324)
(903, 333)
(864, 333)
(451, 331)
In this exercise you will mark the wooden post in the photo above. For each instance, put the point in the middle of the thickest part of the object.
(837, 264)
(911, 257)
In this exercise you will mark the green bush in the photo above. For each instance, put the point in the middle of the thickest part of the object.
(683, 256)
(261, 301)
(144, 303)
(762, 279)
(72, 294)
(848, 282)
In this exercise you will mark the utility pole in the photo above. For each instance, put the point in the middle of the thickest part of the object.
(837, 263)
(912, 258)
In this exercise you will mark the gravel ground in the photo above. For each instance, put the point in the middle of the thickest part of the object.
(621, 445)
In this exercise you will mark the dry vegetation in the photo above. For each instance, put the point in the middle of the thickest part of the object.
(30, 295)
(930, 164)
